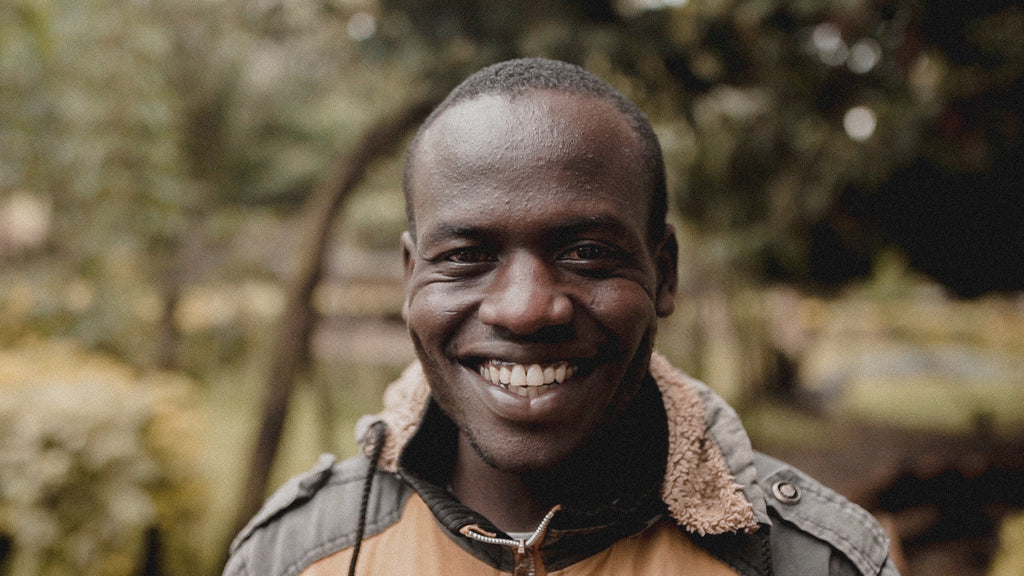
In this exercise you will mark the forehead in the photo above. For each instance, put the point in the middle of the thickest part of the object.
(509, 153)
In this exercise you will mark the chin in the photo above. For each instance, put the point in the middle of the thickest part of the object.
(523, 455)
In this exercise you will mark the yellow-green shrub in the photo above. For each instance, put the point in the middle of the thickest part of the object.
(92, 455)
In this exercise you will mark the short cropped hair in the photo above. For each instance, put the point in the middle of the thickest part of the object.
(513, 78)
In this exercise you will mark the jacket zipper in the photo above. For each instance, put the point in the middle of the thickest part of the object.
(528, 561)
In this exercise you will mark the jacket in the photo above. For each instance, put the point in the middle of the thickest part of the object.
(719, 508)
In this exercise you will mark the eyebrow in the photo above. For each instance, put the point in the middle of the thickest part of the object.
(447, 231)
(563, 229)
(580, 225)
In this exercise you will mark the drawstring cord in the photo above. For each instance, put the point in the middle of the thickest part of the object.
(375, 437)
(527, 560)
(766, 555)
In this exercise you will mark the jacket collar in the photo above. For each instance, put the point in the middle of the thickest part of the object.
(576, 532)
(709, 483)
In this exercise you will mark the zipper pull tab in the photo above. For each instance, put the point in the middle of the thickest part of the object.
(528, 561)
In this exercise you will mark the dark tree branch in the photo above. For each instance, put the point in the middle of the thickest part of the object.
(320, 211)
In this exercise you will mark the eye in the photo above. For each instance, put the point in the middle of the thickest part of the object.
(468, 256)
(588, 253)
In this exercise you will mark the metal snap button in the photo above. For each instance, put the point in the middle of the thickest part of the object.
(786, 492)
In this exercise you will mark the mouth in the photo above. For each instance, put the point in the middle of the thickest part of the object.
(526, 379)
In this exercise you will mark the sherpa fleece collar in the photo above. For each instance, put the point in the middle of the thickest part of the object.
(708, 485)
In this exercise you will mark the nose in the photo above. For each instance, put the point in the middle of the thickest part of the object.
(525, 297)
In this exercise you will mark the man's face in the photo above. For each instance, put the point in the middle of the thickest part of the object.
(532, 290)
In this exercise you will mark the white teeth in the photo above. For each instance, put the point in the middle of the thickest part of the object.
(518, 376)
(534, 375)
(526, 379)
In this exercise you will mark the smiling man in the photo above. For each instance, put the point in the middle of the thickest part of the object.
(539, 432)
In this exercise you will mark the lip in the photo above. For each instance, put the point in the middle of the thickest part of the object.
(525, 353)
(550, 404)
(553, 403)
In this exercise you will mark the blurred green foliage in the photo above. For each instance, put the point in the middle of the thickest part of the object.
(153, 157)
(149, 137)
(92, 456)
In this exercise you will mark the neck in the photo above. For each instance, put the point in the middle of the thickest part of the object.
(502, 497)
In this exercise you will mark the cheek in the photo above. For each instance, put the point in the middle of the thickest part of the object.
(433, 310)
(625, 309)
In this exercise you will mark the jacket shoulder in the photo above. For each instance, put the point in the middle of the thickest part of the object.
(806, 514)
(314, 515)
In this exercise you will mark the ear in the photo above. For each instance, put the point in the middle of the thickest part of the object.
(668, 273)
(408, 253)
(408, 264)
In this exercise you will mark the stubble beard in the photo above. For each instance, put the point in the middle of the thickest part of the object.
(517, 462)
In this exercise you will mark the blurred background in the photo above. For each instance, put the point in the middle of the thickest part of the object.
(200, 282)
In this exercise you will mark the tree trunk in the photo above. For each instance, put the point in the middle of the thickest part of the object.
(320, 211)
